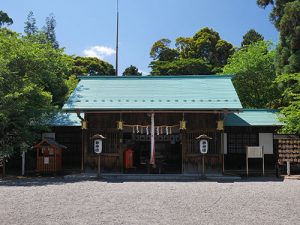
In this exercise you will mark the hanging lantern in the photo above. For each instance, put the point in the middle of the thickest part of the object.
(83, 124)
(220, 125)
(182, 125)
(120, 125)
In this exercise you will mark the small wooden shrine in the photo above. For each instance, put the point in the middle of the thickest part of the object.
(49, 156)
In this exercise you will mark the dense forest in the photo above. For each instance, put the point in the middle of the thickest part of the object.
(37, 76)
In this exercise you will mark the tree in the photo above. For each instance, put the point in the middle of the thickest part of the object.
(254, 75)
(30, 25)
(132, 71)
(49, 30)
(288, 52)
(250, 37)
(278, 9)
(207, 45)
(286, 18)
(5, 19)
(161, 51)
(91, 66)
(181, 67)
(290, 84)
(32, 87)
(205, 51)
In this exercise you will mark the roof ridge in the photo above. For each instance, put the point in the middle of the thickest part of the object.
(216, 76)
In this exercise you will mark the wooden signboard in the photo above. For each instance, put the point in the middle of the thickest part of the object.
(255, 152)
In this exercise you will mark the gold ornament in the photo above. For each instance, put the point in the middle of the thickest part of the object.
(120, 125)
(220, 125)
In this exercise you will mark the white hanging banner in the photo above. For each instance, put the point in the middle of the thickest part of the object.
(152, 155)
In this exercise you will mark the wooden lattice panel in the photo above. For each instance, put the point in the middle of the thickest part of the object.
(1, 161)
(289, 150)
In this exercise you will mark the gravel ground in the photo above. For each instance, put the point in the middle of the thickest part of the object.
(55, 201)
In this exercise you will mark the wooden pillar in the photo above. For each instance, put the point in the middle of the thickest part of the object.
(85, 148)
(152, 154)
(85, 143)
(121, 151)
(288, 168)
(222, 151)
(23, 162)
(3, 168)
(82, 151)
(183, 150)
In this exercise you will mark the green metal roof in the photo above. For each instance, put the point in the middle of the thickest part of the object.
(65, 120)
(214, 92)
(253, 117)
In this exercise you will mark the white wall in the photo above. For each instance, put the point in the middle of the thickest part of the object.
(266, 140)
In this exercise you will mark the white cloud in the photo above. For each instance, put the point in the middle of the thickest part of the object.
(99, 52)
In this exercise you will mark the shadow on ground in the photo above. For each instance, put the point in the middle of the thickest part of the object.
(44, 181)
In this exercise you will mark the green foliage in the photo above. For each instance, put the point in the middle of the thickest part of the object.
(181, 67)
(30, 25)
(251, 37)
(71, 83)
(288, 52)
(204, 53)
(5, 19)
(92, 66)
(278, 9)
(286, 18)
(32, 86)
(49, 30)
(132, 71)
(290, 84)
(161, 51)
(254, 75)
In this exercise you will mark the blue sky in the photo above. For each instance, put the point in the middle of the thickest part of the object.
(89, 27)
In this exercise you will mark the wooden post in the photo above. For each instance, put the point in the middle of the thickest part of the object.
(263, 159)
(3, 168)
(23, 163)
(247, 169)
(288, 168)
(203, 165)
(82, 151)
(222, 151)
(99, 166)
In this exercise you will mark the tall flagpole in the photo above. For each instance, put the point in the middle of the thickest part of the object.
(117, 44)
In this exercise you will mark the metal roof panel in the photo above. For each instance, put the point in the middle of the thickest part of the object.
(253, 117)
(154, 93)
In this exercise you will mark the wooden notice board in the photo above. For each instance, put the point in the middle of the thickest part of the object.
(255, 152)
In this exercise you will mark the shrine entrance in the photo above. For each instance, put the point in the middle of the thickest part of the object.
(168, 154)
